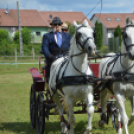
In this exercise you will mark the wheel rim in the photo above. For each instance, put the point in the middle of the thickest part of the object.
(40, 117)
(33, 107)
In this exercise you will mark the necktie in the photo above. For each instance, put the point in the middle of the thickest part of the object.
(59, 40)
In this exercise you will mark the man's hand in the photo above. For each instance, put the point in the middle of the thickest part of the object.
(52, 57)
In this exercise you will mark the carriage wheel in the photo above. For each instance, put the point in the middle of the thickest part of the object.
(40, 116)
(33, 106)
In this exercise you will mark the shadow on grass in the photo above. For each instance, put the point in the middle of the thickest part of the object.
(25, 127)
(50, 128)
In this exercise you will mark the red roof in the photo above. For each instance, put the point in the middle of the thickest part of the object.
(114, 23)
(65, 16)
(30, 18)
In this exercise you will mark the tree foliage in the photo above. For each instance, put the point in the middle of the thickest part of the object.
(99, 34)
(71, 28)
(4, 37)
(26, 36)
(117, 33)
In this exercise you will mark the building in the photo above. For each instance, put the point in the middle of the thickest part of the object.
(37, 22)
(110, 21)
(28, 18)
(65, 16)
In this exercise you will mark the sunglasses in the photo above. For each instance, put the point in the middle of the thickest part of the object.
(64, 30)
(57, 24)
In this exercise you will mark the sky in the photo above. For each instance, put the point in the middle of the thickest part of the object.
(85, 6)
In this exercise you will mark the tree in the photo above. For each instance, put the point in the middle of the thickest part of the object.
(4, 37)
(26, 36)
(5, 40)
(117, 33)
(99, 34)
(71, 28)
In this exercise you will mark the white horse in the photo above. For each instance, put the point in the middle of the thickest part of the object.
(77, 66)
(121, 89)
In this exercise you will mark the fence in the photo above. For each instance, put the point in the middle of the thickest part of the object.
(113, 44)
(14, 58)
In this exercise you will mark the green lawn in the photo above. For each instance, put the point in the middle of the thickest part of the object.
(15, 82)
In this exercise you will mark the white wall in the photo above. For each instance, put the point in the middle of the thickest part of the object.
(11, 30)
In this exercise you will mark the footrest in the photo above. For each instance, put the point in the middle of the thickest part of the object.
(37, 79)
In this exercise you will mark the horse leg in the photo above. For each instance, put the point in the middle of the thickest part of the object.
(71, 118)
(90, 111)
(132, 105)
(60, 108)
(103, 108)
(120, 100)
(119, 129)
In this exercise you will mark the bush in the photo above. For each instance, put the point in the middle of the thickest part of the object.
(4, 37)
(104, 49)
(26, 36)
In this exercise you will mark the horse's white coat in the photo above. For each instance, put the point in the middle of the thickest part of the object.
(121, 89)
(79, 92)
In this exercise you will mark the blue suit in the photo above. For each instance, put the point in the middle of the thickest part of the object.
(49, 44)
(50, 47)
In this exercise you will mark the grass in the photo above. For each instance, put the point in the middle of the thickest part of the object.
(15, 83)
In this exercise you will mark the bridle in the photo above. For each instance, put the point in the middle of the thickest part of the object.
(125, 36)
(77, 36)
(124, 54)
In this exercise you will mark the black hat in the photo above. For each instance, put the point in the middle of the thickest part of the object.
(56, 20)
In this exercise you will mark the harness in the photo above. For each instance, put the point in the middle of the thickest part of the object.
(74, 80)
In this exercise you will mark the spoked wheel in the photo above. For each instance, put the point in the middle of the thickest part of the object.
(33, 106)
(40, 116)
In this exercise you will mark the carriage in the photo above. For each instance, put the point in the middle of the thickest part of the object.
(42, 105)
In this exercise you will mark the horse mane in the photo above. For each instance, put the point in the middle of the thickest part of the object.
(72, 44)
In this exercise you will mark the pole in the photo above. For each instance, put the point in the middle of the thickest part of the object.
(15, 53)
(33, 53)
(20, 35)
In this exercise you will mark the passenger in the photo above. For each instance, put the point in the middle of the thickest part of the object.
(55, 44)
(64, 27)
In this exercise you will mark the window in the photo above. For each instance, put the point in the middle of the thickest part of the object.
(117, 19)
(38, 34)
(108, 19)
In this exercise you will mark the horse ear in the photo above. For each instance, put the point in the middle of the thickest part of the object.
(128, 20)
(75, 24)
(85, 23)
(133, 22)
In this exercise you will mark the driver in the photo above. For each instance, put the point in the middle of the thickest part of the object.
(55, 44)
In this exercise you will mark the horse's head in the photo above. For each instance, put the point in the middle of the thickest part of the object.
(128, 38)
(85, 37)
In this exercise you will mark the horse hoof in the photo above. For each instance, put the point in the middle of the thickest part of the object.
(101, 123)
(64, 129)
(120, 131)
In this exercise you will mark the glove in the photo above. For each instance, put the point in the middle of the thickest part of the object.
(51, 57)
